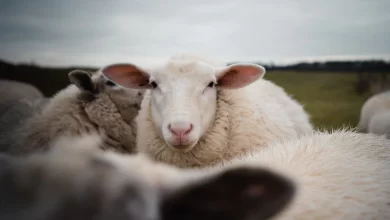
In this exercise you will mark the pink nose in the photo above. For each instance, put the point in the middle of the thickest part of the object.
(180, 130)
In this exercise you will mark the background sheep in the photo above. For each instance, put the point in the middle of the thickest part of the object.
(375, 114)
(18, 101)
(13, 113)
(91, 103)
(380, 123)
(197, 111)
(64, 184)
(14, 90)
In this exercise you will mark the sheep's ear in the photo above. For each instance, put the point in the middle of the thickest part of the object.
(127, 75)
(83, 80)
(237, 194)
(239, 75)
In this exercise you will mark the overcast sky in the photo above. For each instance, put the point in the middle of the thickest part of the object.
(100, 32)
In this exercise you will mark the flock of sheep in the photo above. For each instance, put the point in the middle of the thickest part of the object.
(192, 138)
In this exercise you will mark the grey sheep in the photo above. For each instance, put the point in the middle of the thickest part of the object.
(14, 90)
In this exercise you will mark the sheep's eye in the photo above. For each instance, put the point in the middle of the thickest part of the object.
(211, 84)
(154, 85)
(110, 83)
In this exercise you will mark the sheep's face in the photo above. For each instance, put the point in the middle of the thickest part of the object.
(118, 93)
(183, 103)
(127, 101)
(183, 94)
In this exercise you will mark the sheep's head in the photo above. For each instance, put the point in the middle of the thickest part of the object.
(94, 85)
(184, 94)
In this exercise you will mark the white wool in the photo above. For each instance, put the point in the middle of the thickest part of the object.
(342, 175)
(374, 116)
(380, 123)
(338, 175)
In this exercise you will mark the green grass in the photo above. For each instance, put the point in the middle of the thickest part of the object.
(329, 98)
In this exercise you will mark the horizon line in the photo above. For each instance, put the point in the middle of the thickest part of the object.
(151, 60)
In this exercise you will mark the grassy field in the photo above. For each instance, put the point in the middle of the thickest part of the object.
(329, 98)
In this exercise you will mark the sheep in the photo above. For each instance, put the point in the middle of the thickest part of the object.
(197, 112)
(380, 123)
(69, 183)
(13, 113)
(375, 114)
(18, 101)
(76, 180)
(14, 90)
(337, 175)
(90, 103)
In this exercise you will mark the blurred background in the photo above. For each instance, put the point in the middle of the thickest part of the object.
(330, 55)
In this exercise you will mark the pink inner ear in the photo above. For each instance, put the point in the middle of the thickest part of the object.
(126, 75)
(239, 76)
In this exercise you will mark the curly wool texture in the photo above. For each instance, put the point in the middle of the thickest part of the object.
(246, 119)
(72, 112)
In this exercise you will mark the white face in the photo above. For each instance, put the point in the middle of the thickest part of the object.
(183, 94)
(183, 104)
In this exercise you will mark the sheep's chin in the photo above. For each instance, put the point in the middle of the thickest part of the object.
(182, 148)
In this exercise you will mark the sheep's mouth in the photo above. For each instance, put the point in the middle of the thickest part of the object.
(182, 147)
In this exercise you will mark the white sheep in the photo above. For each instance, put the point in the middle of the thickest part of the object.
(380, 123)
(338, 175)
(197, 112)
(375, 114)
(14, 90)
(91, 103)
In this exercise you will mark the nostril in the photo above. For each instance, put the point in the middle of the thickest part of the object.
(189, 129)
(172, 130)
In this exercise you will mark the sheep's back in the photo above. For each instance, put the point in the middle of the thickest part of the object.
(15, 90)
(343, 175)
